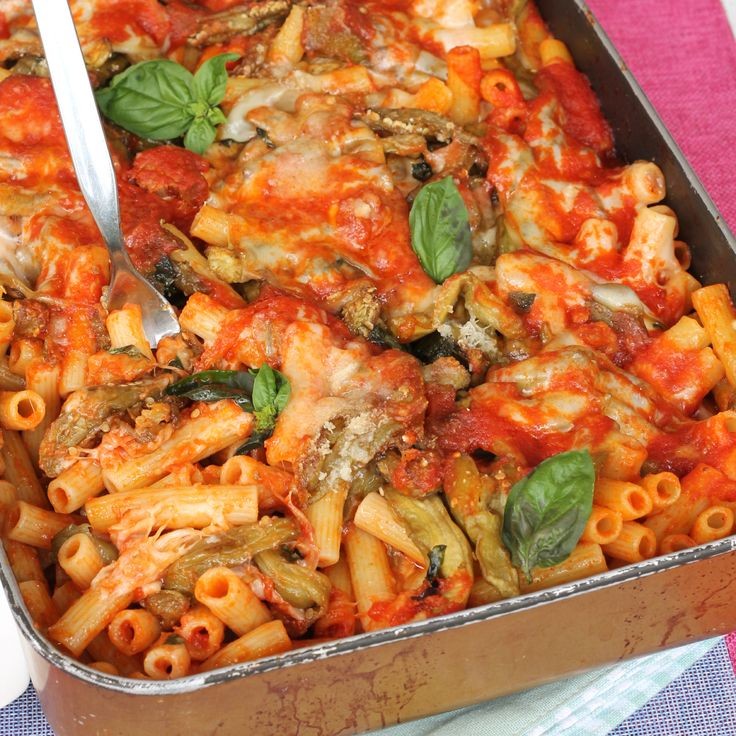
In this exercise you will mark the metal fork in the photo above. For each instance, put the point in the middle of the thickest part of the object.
(93, 165)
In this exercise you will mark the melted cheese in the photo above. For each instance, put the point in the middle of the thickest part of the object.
(340, 221)
(15, 258)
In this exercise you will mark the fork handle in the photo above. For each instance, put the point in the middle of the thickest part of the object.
(82, 125)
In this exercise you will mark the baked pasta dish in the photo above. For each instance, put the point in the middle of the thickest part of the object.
(439, 346)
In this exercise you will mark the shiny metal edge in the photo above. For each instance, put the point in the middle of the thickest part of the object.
(413, 630)
(351, 644)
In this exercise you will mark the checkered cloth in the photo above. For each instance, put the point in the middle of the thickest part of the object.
(587, 705)
(688, 69)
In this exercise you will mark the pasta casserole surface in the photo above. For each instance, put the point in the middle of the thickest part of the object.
(439, 346)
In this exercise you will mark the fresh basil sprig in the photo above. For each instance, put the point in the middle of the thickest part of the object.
(440, 231)
(162, 100)
(263, 392)
(546, 512)
(271, 391)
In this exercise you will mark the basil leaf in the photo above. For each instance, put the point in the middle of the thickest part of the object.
(218, 392)
(282, 395)
(242, 380)
(546, 512)
(162, 100)
(150, 99)
(215, 116)
(264, 387)
(440, 231)
(210, 79)
(200, 135)
(271, 391)
(263, 392)
(255, 441)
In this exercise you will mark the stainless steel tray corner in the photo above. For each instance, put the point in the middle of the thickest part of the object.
(395, 675)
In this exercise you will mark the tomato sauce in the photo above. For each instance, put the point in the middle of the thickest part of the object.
(174, 175)
(116, 21)
(485, 426)
(255, 334)
(183, 20)
(681, 449)
(418, 472)
(673, 372)
(583, 118)
(341, 215)
(32, 135)
(448, 595)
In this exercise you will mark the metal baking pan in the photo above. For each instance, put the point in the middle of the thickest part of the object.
(384, 677)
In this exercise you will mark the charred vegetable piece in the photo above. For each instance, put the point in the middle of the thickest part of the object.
(433, 346)
(384, 338)
(32, 65)
(469, 501)
(478, 169)
(421, 170)
(411, 120)
(242, 20)
(130, 350)
(429, 525)
(366, 480)
(436, 558)
(86, 411)
(327, 33)
(164, 277)
(521, 301)
(192, 273)
(298, 585)
(234, 547)
(107, 550)
(114, 64)
(362, 311)
(168, 606)
(262, 133)
(255, 441)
